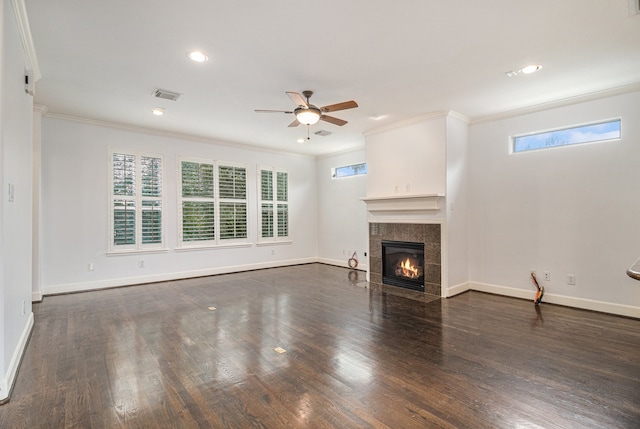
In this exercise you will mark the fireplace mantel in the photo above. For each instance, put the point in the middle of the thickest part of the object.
(397, 203)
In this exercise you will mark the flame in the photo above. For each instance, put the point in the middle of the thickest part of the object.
(409, 270)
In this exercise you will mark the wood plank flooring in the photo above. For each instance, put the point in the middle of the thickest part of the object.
(155, 356)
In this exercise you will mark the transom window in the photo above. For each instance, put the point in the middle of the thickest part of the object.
(349, 170)
(590, 133)
(136, 202)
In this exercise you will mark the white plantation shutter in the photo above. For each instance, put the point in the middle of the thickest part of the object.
(266, 185)
(274, 204)
(136, 201)
(124, 222)
(283, 220)
(151, 169)
(198, 221)
(198, 203)
(124, 208)
(232, 188)
(282, 186)
(267, 220)
(283, 203)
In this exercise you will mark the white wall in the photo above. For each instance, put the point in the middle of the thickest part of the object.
(15, 231)
(75, 209)
(565, 210)
(342, 216)
(407, 159)
(456, 235)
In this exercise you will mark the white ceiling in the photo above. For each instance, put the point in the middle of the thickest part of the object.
(102, 60)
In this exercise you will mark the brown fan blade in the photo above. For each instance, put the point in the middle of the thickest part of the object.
(335, 121)
(294, 123)
(297, 98)
(272, 111)
(339, 106)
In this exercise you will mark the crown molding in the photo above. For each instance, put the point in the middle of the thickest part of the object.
(418, 119)
(341, 152)
(20, 11)
(171, 134)
(43, 110)
(558, 103)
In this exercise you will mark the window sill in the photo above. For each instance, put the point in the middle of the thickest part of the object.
(212, 246)
(135, 251)
(270, 243)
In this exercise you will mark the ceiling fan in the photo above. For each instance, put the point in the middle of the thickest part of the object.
(308, 114)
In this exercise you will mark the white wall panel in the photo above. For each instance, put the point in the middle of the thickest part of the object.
(342, 216)
(16, 195)
(75, 209)
(564, 210)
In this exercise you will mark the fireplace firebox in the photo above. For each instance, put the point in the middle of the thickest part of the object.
(403, 264)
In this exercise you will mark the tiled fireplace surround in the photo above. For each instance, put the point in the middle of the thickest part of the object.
(429, 234)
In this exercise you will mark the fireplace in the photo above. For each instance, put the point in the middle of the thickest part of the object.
(429, 269)
(403, 264)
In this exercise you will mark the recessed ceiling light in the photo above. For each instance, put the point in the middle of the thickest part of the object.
(300, 140)
(378, 117)
(158, 111)
(197, 56)
(531, 68)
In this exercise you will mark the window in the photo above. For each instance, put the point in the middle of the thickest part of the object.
(590, 133)
(198, 203)
(274, 204)
(136, 202)
(349, 170)
(213, 203)
(233, 202)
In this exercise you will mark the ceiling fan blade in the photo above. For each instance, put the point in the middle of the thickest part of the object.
(297, 98)
(339, 106)
(295, 123)
(272, 111)
(335, 121)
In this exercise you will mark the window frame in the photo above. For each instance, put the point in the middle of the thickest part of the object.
(226, 200)
(513, 140)
(334, 171)
(217, 240)
(275, 203)
(138, 246)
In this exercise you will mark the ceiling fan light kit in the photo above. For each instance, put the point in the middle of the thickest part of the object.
(308, 116)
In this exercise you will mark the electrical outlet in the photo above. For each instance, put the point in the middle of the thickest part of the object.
(24, 307)
(546, 276)
(92, 266)
(571, 279)
(273, 251)
(141, 263)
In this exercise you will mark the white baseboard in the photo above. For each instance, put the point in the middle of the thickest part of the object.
(340, 263)
(569, 301)
(36, 296)
(6, 383)
(456, 290)
(130, 281)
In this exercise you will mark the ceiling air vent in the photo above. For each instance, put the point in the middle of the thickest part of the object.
(322, 133)
(634, 7)
(166, 95)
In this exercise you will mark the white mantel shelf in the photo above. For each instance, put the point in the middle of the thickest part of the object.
(394, 203)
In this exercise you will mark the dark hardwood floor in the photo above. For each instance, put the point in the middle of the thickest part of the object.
(155, 356)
